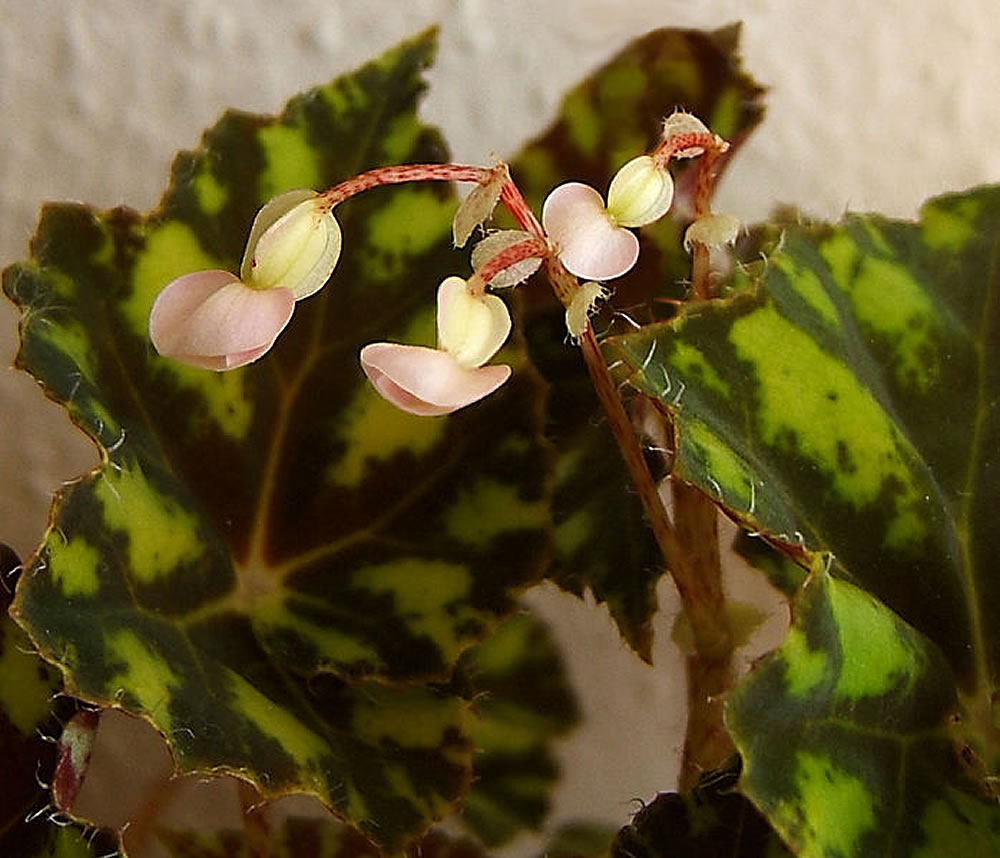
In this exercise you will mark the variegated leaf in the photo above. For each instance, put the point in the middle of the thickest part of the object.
(265, 553)
(305, 837)
(850, 403)
(294, 837)
(851, 738)
(524, 704)
(30, 712)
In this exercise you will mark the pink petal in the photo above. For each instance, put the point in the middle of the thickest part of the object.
(588, 243)
(211, 320)
(427, 381)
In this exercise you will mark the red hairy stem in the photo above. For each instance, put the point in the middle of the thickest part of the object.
(405, 173)
(679, 142)
(621, 428)
(701, 269)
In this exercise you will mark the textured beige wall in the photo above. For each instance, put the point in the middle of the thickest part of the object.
(873, 105)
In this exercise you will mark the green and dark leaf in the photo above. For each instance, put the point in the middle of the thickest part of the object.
(272, 561)
(524, 703)
(849, 402)
(851, 736)
(30, 728)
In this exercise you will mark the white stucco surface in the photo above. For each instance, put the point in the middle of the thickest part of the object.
(873, 105)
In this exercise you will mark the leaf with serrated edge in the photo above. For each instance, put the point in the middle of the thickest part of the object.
(30, 712)
(251, 530)
(851, 403)
(294, 837)
(615, 114)
(847, 736)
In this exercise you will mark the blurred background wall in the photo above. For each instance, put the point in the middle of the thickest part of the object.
(872, 106)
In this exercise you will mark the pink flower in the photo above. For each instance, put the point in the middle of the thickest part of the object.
(591, 238)
(214, 320)
(471, 328)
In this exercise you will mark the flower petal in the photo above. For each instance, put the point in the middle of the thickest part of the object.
(470, 327)
(428, 382)
(587, 242)
(211, 320)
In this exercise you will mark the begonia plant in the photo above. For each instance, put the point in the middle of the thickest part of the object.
(339, 445)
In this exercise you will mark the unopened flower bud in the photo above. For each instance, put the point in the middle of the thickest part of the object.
(640, 193)
(294, 243)
(713, 231)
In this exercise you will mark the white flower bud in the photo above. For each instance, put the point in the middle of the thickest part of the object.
(713, 231)
(294, 243)
(680, 122)
(640, 193)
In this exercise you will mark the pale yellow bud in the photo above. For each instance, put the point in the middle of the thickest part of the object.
(713, 231)
(640, 193)
(294, 243)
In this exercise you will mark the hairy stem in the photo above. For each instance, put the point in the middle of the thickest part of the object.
(709, 668)
(621, 428)
(396, 175)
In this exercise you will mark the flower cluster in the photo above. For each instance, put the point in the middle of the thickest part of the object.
(216, 320)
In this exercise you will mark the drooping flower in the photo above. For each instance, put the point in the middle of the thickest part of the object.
(591, 238)
(471, 328)
(215, 320)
